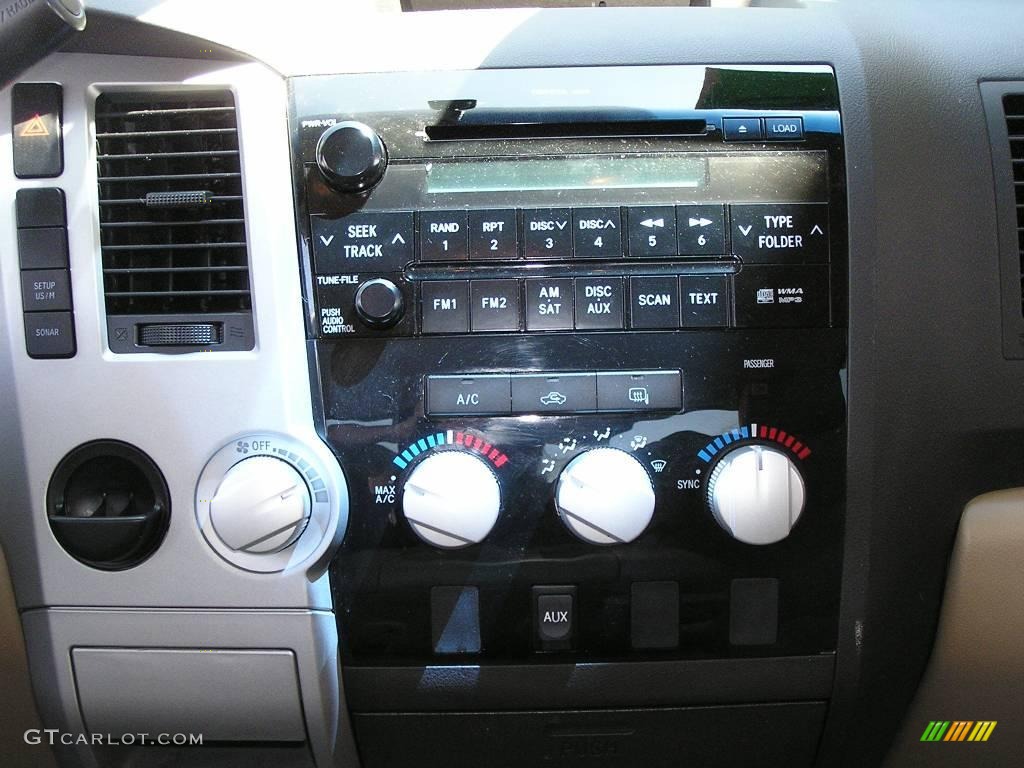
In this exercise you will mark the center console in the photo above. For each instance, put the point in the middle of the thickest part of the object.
(579, 342)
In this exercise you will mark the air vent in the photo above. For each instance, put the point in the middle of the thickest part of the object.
(1013, 109)
(172, 221)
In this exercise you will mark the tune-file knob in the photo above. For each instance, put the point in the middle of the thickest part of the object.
(605, 496)
(756, 494)
(451, 499)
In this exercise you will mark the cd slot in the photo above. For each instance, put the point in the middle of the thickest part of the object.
(563, 130)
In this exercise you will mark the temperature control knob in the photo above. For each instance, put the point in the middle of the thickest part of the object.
(756, 494)
(351, 156)
(451, 499)
(605, 496)
(261, 506)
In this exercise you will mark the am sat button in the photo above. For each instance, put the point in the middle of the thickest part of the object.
(468, 395)
(549, 304)
(561, 393)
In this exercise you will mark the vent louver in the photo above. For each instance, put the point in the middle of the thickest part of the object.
(172, 226)
(1013, 109)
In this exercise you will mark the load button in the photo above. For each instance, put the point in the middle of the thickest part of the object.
(791, 233)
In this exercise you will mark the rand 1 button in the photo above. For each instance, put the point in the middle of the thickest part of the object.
(444, 306)
(705, 301)
(444, 236)
(555, 393)
(598, 303)
(483, 395)
(43, 248)
(549, 304)
(701, 230)
(362, 242)
(547, 233)
(639, 391)
(654, 302)
(45, 290)
(494, 305)
(780, 233)
(49, 335)
(652, 231)
(597, 232)
(782, 297)
(493, 234)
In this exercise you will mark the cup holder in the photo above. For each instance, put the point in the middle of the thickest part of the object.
(108, 505)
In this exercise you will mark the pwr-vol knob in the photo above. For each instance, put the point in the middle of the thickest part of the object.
(451, 499)
(351, 156)
(605, 496)
(756, 494)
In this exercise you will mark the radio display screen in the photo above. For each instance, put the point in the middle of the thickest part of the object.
(650, 171)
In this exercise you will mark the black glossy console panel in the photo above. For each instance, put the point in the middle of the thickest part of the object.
(435, 630)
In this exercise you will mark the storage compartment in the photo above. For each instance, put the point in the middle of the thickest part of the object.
(224, 695)
(768, 735)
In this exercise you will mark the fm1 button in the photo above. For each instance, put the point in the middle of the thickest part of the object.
(705, 301)
(597, 233)
(555, 617)
(493, 235)
(445, 307)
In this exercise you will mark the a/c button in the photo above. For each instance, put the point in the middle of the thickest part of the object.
(469, 395)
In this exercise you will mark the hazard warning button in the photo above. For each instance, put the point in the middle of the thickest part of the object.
(36, 115)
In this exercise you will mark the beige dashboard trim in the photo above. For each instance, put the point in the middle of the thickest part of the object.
(976, 671)
(17, 705)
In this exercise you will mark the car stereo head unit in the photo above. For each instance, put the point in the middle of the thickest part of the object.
(580, 340)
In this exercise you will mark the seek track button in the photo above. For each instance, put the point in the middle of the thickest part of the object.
(362, 242)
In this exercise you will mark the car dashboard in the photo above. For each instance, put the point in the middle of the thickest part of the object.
(516, 387)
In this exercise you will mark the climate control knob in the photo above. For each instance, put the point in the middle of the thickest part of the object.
(605, 496)
(351, 156)
(756, 494)
(451, 499)
(261, 506)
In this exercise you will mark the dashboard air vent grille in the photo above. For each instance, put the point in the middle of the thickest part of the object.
(172, 224)
(1013, 108)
